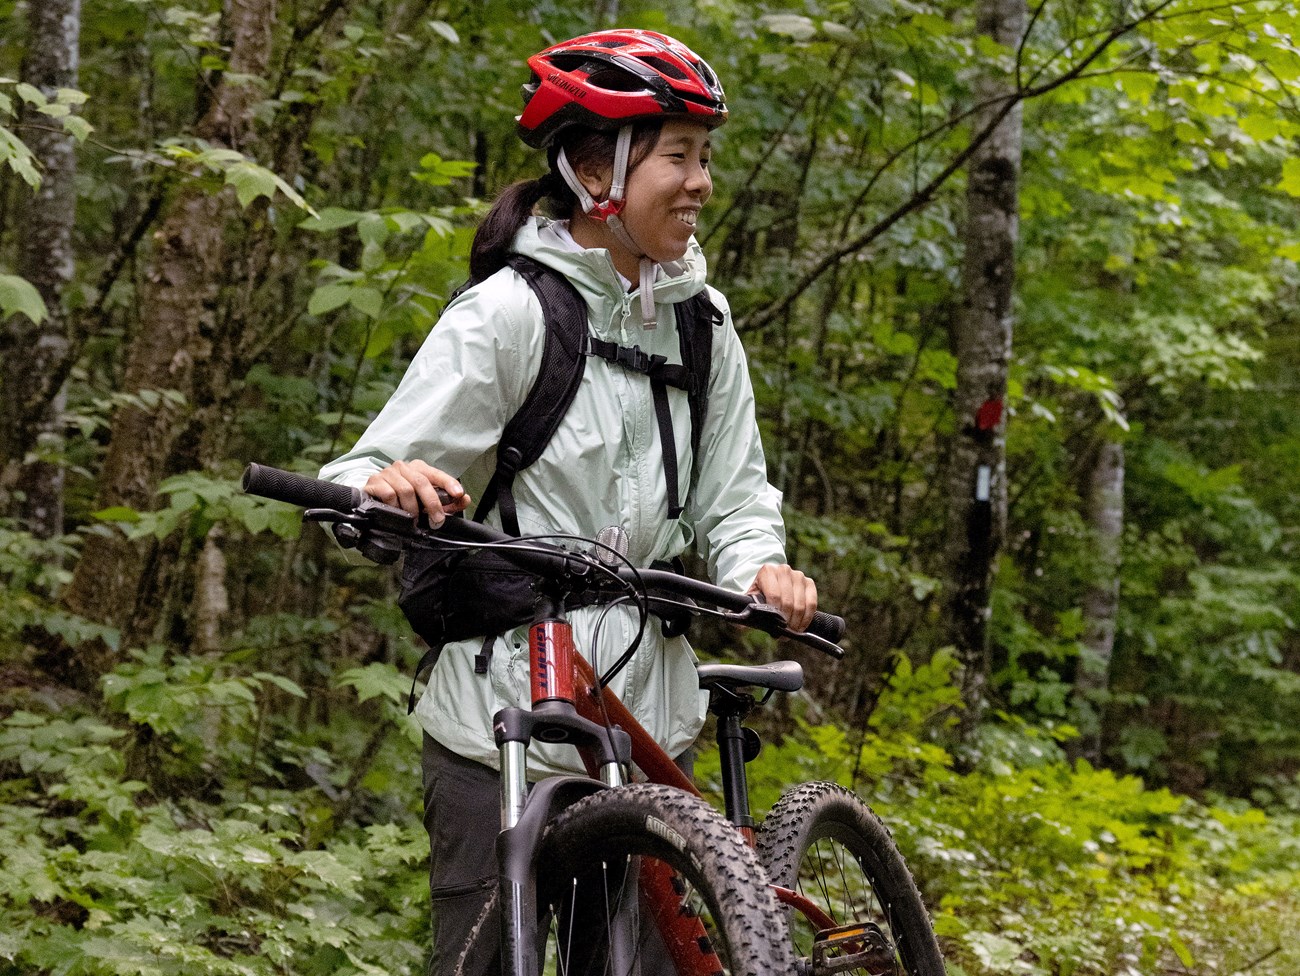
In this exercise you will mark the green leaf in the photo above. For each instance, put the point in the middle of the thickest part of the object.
(118, 513)
(1183, 953)
(446, 30)
(281, 682)
(327, 298)
(436, 171)
(19, 296)
(22, 165)
(77, 127)
(250, 182)
(286, 522)
(794, 26)
(373, 229)
(1261, 126)
(331, 218)
(1290, 182)
(377, 681)
(30, 94)
(367, 301)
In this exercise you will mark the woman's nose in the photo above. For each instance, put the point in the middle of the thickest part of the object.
(698, 180)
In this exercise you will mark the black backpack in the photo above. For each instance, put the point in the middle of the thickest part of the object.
(455, 596)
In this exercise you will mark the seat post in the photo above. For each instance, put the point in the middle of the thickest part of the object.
(730, 708)
(730, 700)
(735, 783)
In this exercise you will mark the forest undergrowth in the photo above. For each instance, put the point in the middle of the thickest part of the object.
(202, 816)
(253, 213)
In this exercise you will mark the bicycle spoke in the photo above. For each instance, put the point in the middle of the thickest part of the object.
(824, 843)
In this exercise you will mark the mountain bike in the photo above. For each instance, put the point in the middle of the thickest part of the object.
(586, 862)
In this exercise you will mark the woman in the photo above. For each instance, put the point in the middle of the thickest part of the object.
(626, 117)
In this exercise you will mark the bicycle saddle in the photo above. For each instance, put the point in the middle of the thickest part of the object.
(779, 676)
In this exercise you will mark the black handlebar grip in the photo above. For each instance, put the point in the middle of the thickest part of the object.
(827, 626)
(285, 486)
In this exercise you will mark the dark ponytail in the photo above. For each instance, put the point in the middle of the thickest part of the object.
(509, 212)
(516, 203)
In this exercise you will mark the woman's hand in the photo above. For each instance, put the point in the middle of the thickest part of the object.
(790, 591)
(413, 485)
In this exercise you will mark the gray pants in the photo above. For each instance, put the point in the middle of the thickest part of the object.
(462, 815)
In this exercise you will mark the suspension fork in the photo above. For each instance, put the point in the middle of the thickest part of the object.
(525, 813)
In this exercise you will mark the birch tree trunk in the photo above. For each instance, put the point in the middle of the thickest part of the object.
(179, 321)
(983, 324)
(1101, 601)
(35, 358)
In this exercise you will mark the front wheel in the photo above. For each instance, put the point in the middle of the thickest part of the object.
(854, 906)
(618, 857)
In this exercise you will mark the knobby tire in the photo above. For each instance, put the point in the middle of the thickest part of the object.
(823, 842)
(719, 883)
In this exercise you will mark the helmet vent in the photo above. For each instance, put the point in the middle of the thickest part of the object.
(614, 80)
(577, 61)
(667, 67)
(709, 77)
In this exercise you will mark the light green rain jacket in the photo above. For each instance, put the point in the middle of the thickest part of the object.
(603, 468)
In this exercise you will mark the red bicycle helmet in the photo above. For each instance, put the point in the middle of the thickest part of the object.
(611, 78)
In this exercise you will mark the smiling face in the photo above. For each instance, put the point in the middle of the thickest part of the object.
(665, 193)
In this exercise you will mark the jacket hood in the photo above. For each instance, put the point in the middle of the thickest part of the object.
(592, 271)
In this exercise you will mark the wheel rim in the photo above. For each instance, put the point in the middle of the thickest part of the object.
(625, 915)
(863, 941)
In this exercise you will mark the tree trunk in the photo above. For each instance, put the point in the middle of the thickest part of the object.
(34, 359)
(982, 342)
(1101, 601)
(179, 320)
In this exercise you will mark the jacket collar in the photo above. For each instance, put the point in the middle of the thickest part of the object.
(592, 271)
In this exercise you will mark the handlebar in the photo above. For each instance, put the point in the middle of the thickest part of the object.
(365, 514)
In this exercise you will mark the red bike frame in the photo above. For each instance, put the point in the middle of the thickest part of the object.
(560, 671)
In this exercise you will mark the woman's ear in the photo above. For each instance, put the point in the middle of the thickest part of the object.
(595, 178)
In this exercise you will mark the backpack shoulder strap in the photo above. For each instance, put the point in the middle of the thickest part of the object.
(528, 432)
(697, 317)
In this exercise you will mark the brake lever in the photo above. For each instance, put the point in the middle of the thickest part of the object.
(356, 529)
(770, 620)
(759, 616)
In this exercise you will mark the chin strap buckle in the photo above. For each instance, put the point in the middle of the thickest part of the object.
(605, 209)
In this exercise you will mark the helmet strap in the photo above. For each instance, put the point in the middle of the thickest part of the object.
(622, 150)
(607, 212)
(608, 208)
(585, 200)
(649, 319)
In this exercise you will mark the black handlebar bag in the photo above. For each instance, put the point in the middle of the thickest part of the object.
(457, 595)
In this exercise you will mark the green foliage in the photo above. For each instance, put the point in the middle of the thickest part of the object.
(218, 812)
(199, 501)
(1037, 866)
(249, 179)
(103, 874)
(13, 151)
(19, 297)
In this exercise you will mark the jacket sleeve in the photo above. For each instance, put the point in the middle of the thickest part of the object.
(735, 513)
(468, 378)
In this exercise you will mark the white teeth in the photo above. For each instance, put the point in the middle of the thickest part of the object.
(687, 216)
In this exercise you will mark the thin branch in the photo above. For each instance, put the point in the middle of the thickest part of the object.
(760, 319)
(305, 30)
(1024, 40)
(773, 143)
